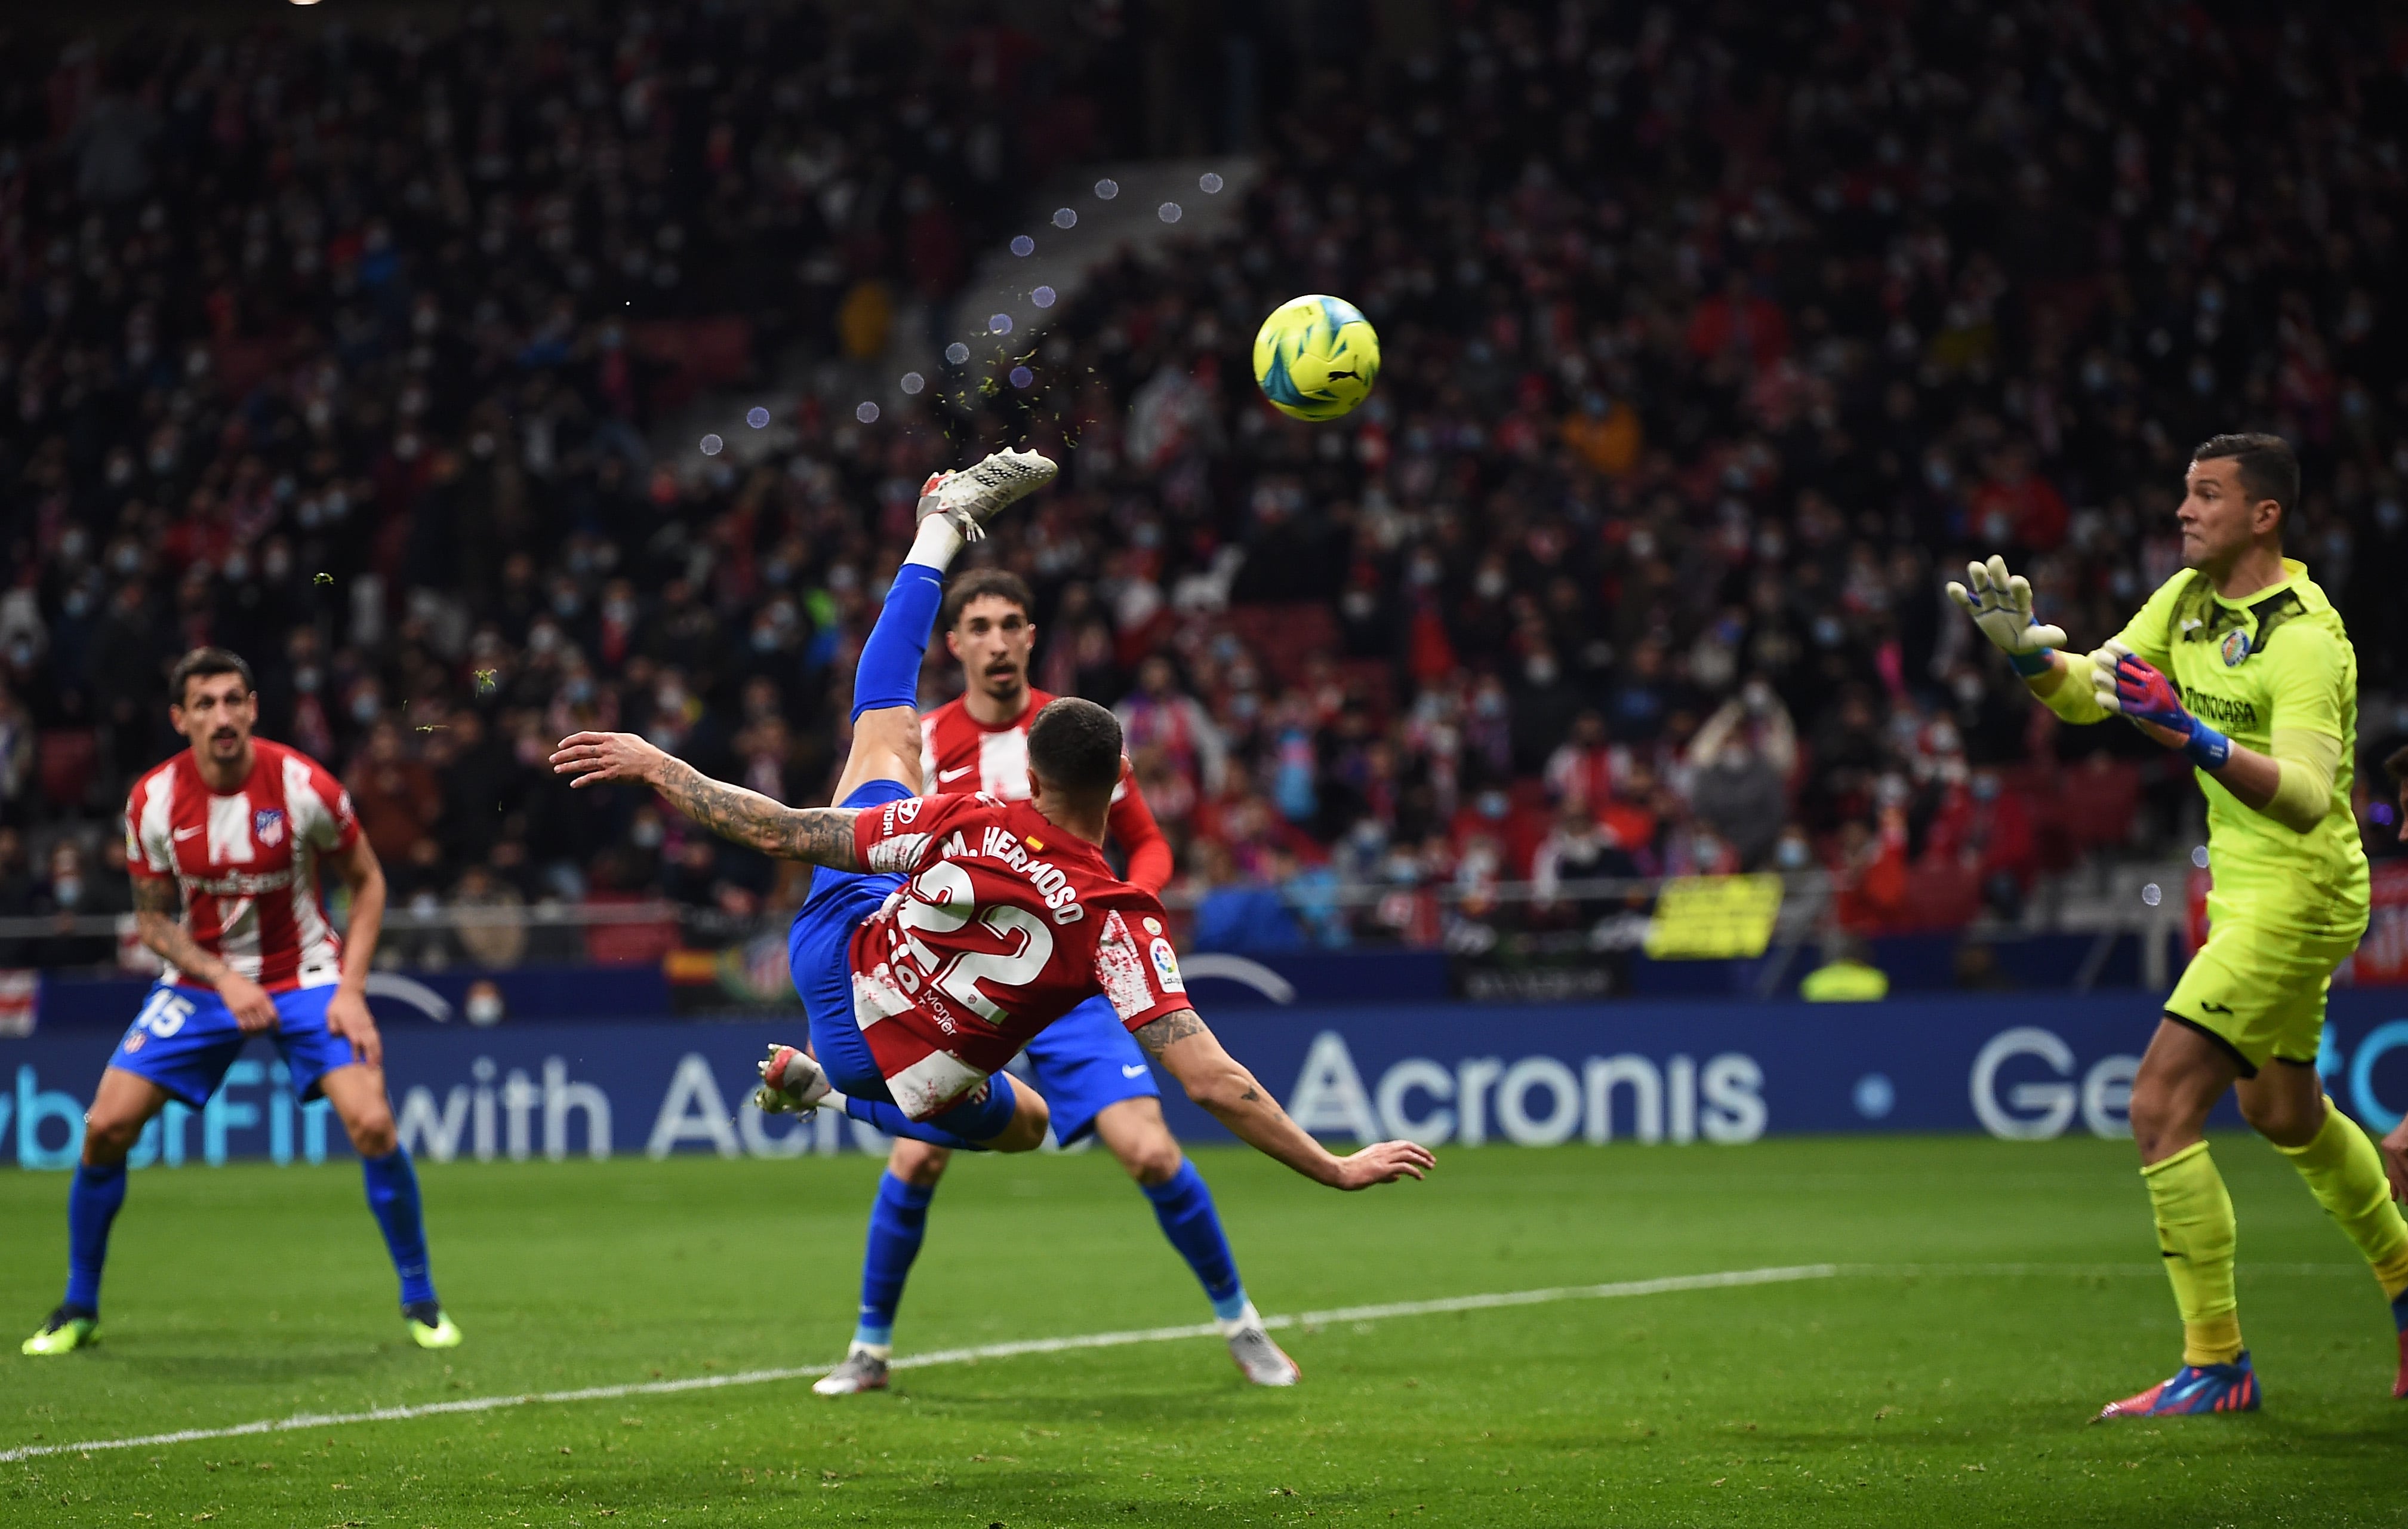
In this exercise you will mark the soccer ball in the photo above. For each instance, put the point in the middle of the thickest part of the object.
(1316, 357)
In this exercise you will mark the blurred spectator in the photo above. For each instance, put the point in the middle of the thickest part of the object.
(397, 798)
(1737, 792)
(1239, 913)
(75, 889)
(1847, 975)
(16, 896)
(1159, 718)
(1986, 830)
(496, 946)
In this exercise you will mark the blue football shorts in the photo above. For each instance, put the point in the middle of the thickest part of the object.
(185, 1038)
(1085, 1063)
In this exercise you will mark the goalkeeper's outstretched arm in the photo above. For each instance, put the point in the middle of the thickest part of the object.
(2292, 785)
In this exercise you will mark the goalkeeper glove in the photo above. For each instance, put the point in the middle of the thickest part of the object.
(2130, 683)
(2001, 605)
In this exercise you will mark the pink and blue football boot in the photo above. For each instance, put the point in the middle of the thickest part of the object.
(2195, 1388)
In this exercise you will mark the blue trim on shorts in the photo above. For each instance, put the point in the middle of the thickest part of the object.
(1085, 1063)
(185, 1038)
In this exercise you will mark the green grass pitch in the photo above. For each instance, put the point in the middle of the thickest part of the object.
(1951, 1393)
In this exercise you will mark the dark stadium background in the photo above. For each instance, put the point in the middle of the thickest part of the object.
(375, 342)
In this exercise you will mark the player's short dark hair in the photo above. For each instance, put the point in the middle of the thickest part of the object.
(1074, 746)
(2396, 766)
(979, 584)
(200, 664)
(2270, 470)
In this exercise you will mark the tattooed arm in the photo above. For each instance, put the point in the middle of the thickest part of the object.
(1220, 1083)
(818, 835)
(158, 919)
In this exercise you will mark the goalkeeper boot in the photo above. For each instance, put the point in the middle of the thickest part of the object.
(67, 1330)
(429, 1328)
(1262, 1361)
(863, 1369)
(970, 498)
(790, 1083)
(2194, 1388)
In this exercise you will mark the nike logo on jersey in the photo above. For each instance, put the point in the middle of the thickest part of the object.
(1136, 1070)
(2214, 1008)
(945, 775)
(183, 834)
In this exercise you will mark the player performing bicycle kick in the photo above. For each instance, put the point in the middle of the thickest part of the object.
(943, 933)
(1093, 1078)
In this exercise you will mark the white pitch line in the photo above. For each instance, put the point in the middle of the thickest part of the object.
(1722, 1280)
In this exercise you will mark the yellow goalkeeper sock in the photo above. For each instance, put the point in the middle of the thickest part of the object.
(2345, 1174)
(2195, 1232)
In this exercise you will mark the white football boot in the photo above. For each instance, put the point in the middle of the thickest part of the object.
(790, 1083)
(1262, 1361)
(970, 498)
(863, 1369)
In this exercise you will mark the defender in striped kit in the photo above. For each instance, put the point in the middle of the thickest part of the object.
(231, 833)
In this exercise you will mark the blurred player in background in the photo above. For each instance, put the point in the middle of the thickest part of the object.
(1094, 1077)
(2241, 663)
(229, 835)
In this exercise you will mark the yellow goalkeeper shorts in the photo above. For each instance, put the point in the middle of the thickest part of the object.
(2260, 991)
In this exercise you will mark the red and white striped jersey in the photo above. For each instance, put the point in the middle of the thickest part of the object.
(959, 755)
(1005, 924)
(246, 860)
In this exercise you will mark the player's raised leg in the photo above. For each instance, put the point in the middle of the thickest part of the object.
(1137, 1135)
(122, 1105)
(2180, 1077)
(898, 1222)
(883, 766)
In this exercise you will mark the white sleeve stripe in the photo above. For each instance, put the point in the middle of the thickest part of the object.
(158, 812)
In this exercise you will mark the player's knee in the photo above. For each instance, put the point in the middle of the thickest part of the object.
(106, 1141)
(917, 1163)
(372, 1133)
(1026, 1132)
(1153, 1159)
(2281, 1119)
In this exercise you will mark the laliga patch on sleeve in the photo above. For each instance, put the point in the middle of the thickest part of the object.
(1166, 966)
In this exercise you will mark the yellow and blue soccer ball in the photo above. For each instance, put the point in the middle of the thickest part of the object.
(1316, 357)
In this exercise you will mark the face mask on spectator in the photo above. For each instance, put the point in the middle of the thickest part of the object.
(484, 1004)
(305, 679)
(1490, 583)
(364, 707)
(1986, 787)
(68, 892)
(647, 832)
(1540, 669)
(1792, 855)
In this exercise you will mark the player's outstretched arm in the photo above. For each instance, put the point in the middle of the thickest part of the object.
(1220, 1083)
(818, 835)
(2000, 606)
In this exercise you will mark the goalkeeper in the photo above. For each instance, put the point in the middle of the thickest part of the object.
(2241, 663)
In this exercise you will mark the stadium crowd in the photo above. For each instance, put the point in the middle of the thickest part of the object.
(1713, 341)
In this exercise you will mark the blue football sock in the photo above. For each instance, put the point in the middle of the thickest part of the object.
(392, 1195)
(899, 1219)
(888, 671)
(1183, 1204)
(888, 1118)
(92, 1202)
